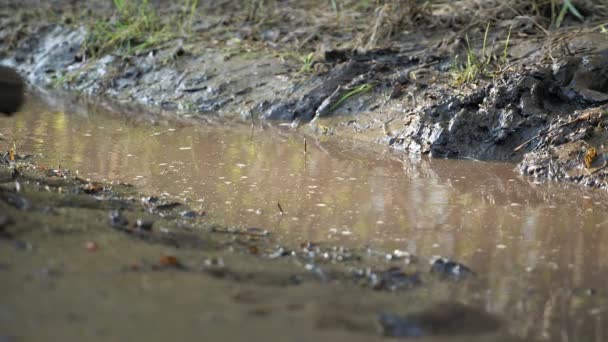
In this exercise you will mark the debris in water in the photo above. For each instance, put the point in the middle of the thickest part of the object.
(117, 220)
(215, 262)
(144, 225)
(401, 255)
(448, 269)
(280, 208)
(170, 261)
(252, 231)
(188, 214)
(316, 270)
(280, 252)
(91, 246)
(256, 231)
(392, 279)
(93, 188)
(589, 157)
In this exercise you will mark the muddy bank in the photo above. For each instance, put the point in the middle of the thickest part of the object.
(535, 107)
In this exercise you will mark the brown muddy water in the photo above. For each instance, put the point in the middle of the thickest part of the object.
(539, 249)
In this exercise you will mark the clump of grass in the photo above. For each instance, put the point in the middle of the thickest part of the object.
(135, 26)
(189, 12)
(567, 7)
(474, 66)
(484, 66)
(307, 63)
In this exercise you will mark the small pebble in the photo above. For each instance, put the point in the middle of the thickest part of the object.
(144, 225)
(188, 214)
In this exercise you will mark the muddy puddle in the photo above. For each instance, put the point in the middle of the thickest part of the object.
(538, 249)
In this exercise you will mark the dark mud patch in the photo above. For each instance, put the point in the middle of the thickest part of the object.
(447, 319)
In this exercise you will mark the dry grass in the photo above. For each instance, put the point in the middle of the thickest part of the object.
(373, 23)
(317, 25)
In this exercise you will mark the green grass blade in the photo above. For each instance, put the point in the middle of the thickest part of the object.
(358, 90)
(504, 53)
(573, 10)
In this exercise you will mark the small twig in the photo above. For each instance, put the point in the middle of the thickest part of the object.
(598, 169)
(304, 145)
(280, 209)
(575, 120)
(250, 232)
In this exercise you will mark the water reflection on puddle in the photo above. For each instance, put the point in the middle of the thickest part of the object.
(536, 238)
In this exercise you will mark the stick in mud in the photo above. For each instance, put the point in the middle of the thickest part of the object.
(304, 145)
(587, 116)
(280, 209)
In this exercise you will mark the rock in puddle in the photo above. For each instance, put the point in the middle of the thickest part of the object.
(450, 270)
(392, 279)
(117, 220)
(145, 225)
